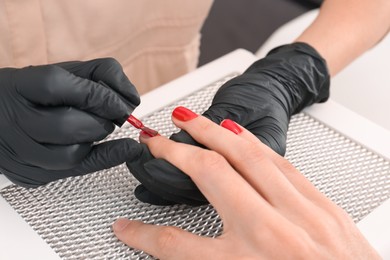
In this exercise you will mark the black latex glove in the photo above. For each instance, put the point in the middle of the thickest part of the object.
(51, 115)
(262, 100)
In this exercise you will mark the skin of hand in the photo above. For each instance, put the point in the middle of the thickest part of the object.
(269, 209)
(345, 29)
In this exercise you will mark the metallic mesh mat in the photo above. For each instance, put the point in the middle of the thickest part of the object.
(74, 215)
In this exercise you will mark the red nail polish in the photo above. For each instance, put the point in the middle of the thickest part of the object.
(183, 114)
(146, 134)
(231, 125)
(138, 124)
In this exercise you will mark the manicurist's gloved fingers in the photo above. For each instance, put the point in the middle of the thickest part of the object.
(184, 137)
(59, 157)
(109, 154)
(64, 125)
(54, 86)
(107, 70)
(146, 196)
(101, 156)
(29, 152)
(162, 197)
(166, 198)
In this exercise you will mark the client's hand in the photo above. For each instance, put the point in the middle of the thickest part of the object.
(262, 100)
(268, 208)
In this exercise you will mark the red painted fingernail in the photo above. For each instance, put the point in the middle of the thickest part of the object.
(145, 134)
(183, 114)
(231, 125)
(149, 131)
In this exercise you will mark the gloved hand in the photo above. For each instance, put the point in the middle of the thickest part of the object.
(51, 115)
(262, 100)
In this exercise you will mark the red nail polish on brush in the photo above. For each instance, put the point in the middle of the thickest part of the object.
(231, 125)
(138, 124)
(183, 114)
(146, 135)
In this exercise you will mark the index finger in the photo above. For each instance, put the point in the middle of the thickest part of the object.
(107, 70)
(54, 86)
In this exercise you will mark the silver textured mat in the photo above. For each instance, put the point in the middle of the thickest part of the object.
(74, 215)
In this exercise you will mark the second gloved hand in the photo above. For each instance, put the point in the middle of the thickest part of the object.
(51, 115)
(262, 100)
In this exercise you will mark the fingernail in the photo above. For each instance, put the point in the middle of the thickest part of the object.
(183, 114)
(231, 125)
(120, 224)
(149, 131)
(145, 134)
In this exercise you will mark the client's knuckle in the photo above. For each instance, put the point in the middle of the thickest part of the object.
(212, 159)
(286, 166)
(160, 146)
(253, 153)
(204, 126)
(167, 239)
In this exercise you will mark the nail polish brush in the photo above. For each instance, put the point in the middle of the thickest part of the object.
(135, 121)
(139, 125)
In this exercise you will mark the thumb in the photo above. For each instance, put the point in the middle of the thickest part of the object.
(163, 242)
